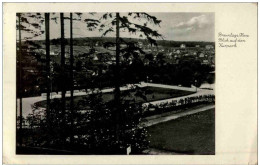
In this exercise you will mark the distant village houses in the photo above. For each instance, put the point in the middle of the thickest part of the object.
(183, 46)
(208, 47)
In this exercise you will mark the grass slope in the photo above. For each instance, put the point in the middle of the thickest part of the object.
(192, 134)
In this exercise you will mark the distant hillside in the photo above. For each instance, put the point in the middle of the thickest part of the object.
(91, 41)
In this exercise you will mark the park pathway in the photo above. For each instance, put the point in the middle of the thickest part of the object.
(29, 101)
(154, 151)
(156, 119)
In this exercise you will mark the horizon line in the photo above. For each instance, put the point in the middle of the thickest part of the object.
(121, 37)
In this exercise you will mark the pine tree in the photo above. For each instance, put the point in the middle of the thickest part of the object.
(71, 79)
(20, 88)
(47, 43)
(125, 114)
(62, 64)
(24, 26)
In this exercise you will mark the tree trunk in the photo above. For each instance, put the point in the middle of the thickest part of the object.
(47, 42)
(117, 78)
(63, 90)
(20, 86)
(71, 79)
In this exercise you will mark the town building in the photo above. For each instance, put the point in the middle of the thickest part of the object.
(183, 46)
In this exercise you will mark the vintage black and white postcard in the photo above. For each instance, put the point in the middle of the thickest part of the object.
(130, 83)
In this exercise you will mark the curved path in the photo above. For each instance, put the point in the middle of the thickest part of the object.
(156, 119)
(198, 91)
(29, 101)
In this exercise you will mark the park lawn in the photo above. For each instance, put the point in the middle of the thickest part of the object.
(192, 134)
(156, 94)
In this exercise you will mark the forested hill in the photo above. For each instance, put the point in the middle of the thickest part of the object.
(100, 40)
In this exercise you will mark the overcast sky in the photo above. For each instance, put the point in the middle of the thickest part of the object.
(174, 26)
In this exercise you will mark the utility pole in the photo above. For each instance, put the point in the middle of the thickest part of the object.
(71, 79)
(20, 86)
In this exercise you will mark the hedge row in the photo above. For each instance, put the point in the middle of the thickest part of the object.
(176, 105)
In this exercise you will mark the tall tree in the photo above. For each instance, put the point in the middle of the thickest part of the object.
(132, 49)
(71, 78)
(63, 89)
(20, 87)
(47, 44)
(25, 26)
(117, 78)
